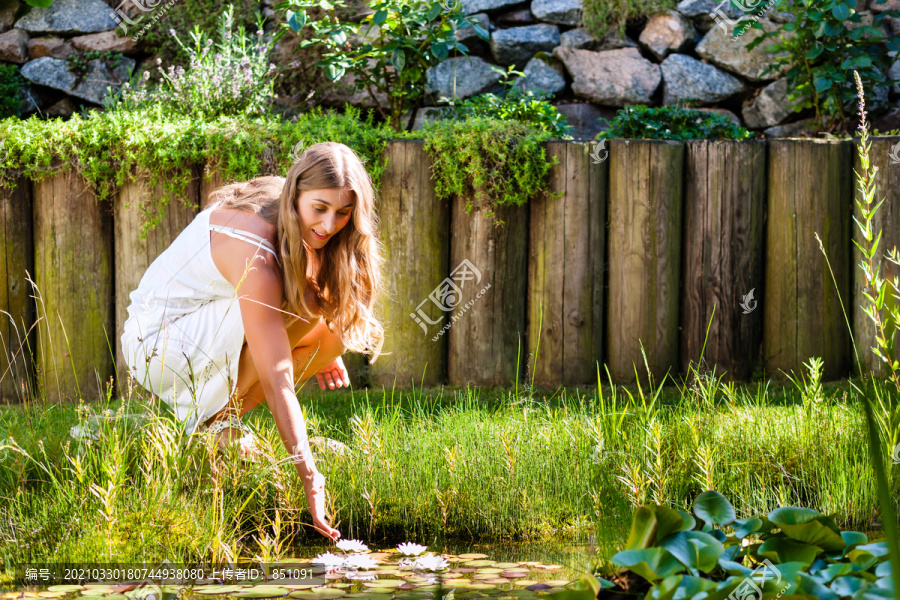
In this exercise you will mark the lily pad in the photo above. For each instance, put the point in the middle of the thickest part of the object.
(507, 565)
(263, 591)
(524, 582)
(319, 594)
(64, 588)
(514, 574)
(217, 589)
(557, 582)
(473, 556)
(479, 563)
(384, 583)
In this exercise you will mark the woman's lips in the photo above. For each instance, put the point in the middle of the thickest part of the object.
(321, 237)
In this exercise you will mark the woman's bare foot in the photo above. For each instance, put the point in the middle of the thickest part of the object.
(228, 435)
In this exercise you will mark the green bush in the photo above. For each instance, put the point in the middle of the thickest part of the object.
(11, 82)
(514, 105)
(671, 123)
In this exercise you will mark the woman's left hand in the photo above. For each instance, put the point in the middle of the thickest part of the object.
(334, 374)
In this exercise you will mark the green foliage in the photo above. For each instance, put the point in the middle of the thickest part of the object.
(601, 17)
(671, 123)
(792, 550)
(822, 46)
(78, 63)
(232, 77)
(412, 37)
(513, 105)
(112, 147)
(491, 161)
(11, 82)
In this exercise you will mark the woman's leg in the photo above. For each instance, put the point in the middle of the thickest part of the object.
(314, 347)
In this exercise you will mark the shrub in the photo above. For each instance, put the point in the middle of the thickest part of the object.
(671, 123)
(11, 82)
(513, 105)
(235, 80)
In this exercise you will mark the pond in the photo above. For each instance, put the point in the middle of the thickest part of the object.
(463, 570)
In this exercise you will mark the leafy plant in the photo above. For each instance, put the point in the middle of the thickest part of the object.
(11, 82)
(792, 551)
(822, 45)
(671, 123)
(412, 37)
(232, 77)
(513, 105)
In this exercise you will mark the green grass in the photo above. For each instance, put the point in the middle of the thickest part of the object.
(433, 464)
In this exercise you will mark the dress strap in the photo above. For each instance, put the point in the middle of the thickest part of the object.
(247, 236)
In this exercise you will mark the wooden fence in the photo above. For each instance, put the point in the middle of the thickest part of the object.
(657, 252)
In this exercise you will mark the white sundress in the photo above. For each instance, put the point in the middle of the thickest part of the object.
(185, 316)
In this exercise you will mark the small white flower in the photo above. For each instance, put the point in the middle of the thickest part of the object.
(411, 549)
(329, 560)
(352, 546)
(360, 561)
(360, 576)
(430, 562)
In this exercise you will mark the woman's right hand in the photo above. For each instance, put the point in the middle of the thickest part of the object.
(314, 486)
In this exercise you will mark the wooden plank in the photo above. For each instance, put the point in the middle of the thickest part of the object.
(723, 255)
(565, 277)
(809, 192)
(133, 254)
(644, 256)
(886, 220)
(17, 265)
(487, 333)
(415, 233)
(73, 273)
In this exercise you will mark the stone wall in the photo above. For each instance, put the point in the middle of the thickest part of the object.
(682, 54)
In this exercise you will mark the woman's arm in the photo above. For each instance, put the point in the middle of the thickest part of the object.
(260, 290)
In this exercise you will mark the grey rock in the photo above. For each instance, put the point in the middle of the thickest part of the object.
(686, 78)
(585, 118)
(514, 46)
(542, 77)
(71, 17)
(422, 117)
(14, 46)
(467, 35)
(725, 113)
(8, 9)
(580, 39)
(802, 128)
(561, 12)
(894, 74)
(770, 107)
(53, 72)
(887, 122)
(473, 76)
(667, 32)
(611, 77)
(488, 6)
(49, 46)
(706, 13)
(722, 49)
(515, 18)
(874, 6)
(63, 109)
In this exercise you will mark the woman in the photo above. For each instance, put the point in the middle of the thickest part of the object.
(267, 286)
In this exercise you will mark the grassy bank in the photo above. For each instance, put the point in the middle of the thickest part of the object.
(435, 463)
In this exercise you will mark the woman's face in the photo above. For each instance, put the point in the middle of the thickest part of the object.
(323, 213)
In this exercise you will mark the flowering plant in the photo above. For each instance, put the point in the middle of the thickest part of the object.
(230, 77)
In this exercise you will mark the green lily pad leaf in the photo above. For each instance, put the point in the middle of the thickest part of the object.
(643, 529)
(810, 526)
(744, 527)
(318, 594)
(734, 568)
(689, 521)
(861, 560)
(696, 550)
(64, 588)
(780, 549)
(810, 587)
(713, 507)
(848, 586)
(884, 569)
(827, 574)
(680, 586)
(878, 549)
(650, 563)
(854, 538)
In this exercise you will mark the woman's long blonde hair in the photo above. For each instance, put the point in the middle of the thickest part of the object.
(348, 279)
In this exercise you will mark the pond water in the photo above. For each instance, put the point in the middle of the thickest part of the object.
(466, 571)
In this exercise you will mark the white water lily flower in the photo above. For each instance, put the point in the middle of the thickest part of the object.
(332, 561)
(430, 562)
(352, 546)
(406, 562)
(411, 549)
(356, 576)
(360, 561)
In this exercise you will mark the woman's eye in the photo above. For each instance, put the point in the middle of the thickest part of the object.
(321, 210)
